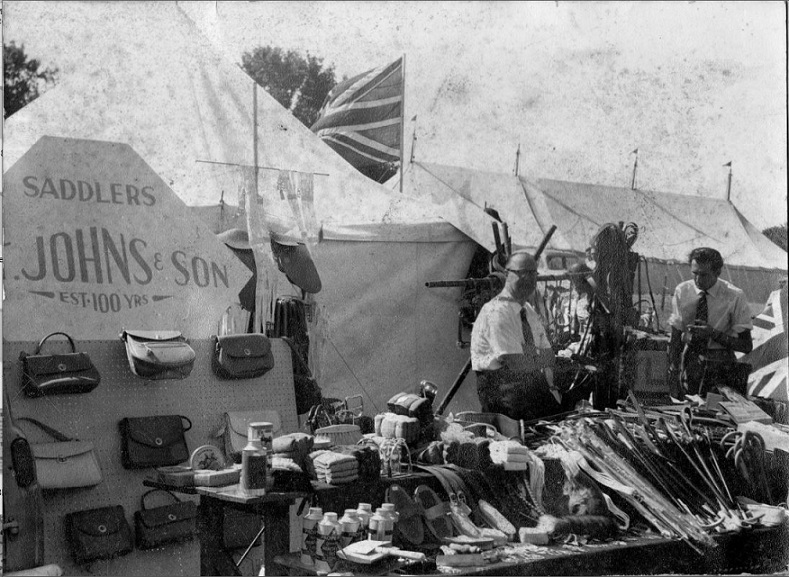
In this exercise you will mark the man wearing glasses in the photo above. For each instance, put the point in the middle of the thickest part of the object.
(510, 351)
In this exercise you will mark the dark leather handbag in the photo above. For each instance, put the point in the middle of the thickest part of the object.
(101, 533)
(57, 374)
(158, 355)
(243, 356)
(153, 441)
(171, 523)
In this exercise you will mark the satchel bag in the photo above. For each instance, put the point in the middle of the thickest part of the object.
(66, 464)
(153, 441)
(234, 431)
(101, 533)
(158, 355)
(244, 356)
(57, 374)
(166, 524)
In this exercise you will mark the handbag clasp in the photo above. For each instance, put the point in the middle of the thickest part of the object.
(102, 528)
(247, 352)
(158, 441)
(62, 367)
(171, 517)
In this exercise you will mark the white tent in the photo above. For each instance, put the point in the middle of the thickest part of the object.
(163, 90)
(670, 225)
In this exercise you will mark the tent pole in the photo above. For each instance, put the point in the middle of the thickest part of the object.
(402, 125)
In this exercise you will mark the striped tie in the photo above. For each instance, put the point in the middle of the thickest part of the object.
(701, 308)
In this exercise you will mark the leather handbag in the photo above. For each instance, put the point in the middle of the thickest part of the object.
(65, 464)
(234, 430)
(157, 355)
(101, 533)
(245, 356)
(156, 441)
(57, 374)
(171, 523)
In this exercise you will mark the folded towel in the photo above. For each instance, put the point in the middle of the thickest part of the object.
(368, 459)
(336, 469)
(338, 479)
(499, 459)
(286, 464)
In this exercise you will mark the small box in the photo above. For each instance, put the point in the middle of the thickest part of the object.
(209, 478)
(177, 476)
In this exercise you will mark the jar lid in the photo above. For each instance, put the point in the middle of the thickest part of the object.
(316, 511)
(330, 516)
(365, 507)
(350, 511)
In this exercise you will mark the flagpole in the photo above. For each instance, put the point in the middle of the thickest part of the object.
(635, 166)
(413, 141)
(728, 186)
(402, 125)
(517, 159)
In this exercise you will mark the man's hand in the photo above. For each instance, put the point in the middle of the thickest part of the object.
(701, 330)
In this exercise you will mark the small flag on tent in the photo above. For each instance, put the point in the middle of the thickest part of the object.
(361, 119)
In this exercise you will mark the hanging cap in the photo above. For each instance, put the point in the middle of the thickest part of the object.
(296, 263)
(235, 238)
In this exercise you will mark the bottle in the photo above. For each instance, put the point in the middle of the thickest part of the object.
(266, 432)
(254, 466)
(329, 530)
(350, 527)
(309, 535)
(391, 512)
(364, 512)
(377, 529)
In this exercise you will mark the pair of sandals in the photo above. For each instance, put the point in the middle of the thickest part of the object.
(425, 510)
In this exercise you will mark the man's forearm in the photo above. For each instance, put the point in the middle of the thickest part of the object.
(742, 343)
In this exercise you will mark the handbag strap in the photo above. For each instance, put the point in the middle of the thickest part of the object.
(47, 429)
(41, 342)
(142, 498)
(188, 420)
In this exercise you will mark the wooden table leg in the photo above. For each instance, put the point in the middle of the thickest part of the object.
(276, 539)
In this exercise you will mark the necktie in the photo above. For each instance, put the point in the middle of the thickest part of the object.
(701, 308)
(529, 348)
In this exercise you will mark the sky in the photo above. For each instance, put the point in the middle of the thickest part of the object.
(577, 85)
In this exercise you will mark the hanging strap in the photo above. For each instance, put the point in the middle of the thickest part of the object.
(142, 498)
(49, 430)
(41, 342)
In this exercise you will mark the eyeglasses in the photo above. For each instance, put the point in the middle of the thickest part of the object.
(522, 272)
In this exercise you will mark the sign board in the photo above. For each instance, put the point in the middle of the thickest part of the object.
(96, 242)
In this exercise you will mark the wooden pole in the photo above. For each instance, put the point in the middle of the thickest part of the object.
(635, 166)
(728, 186)
(402, 125)
(517, 159)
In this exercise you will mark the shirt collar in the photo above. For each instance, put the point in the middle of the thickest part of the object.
(712, 291)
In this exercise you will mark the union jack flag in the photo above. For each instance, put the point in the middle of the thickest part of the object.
(361, 119)
(770, 375)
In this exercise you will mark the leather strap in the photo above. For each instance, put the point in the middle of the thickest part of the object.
(47, 429)
(142, 498)
(41, 342)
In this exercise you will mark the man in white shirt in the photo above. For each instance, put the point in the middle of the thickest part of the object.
(510, 351)
(710, 321)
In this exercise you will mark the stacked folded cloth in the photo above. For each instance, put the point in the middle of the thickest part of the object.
(295, 446)
(285, 464)
(336, 468)
(394, 426)
(309, 467)
(369, 459)
(511, 454)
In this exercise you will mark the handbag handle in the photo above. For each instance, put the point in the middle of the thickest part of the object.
(142, 498)
(47, 429)
(41, 342)
(188, 421)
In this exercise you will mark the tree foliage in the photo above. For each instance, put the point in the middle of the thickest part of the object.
(777, 234)
(23, 77)
(298, 83)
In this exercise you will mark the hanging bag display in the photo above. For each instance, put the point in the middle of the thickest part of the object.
(153, 441)
(65, 464)
(171, 523)
(157, 355)
(57, 374)
(101, 533)
(244, 356)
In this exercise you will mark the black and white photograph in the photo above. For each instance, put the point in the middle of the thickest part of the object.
(394, 288)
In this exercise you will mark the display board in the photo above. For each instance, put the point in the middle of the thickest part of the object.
(95, 242)
(94, 416)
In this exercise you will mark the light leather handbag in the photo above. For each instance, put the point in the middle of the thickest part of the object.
(65, 464)
(157, 355)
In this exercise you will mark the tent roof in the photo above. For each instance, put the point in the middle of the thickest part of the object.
(160, 87)
(670, 225)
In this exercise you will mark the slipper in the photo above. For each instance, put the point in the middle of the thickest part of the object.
(409, 524)
(436, 512)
